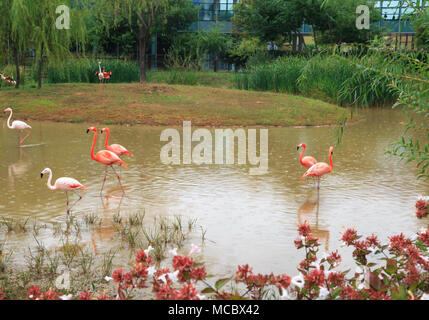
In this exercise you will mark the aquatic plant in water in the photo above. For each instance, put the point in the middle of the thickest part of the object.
(396, 270)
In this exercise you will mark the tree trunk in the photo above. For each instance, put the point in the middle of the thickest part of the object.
(315, 37)
(39, 74)
(143, 39)
(215, 64)
(294, 41)
(301, 42)
(18, 73)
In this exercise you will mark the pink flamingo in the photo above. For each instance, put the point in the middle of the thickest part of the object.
(106, 75)
(17, 125)
(115, 148)
(99, 73)
(320, 168)
(64, 184)
(308, 161)
(106, 157)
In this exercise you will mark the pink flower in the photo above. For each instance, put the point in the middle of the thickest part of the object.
(195, 249)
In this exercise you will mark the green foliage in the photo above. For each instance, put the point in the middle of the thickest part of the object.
(189, 50)
(267, 20)
(336, 21)
(421, 24)
(280, 75)
(327, 77)
(83, 70)
(405, 77)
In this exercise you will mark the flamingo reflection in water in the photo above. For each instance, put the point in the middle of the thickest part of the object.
(309, 211)
(105, 231)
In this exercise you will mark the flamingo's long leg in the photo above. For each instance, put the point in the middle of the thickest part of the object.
(74, 203)
(119, 179)
(67, 202)
(28, 134)
(104, 181)
(19, 138)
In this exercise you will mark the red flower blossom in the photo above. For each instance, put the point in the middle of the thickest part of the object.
(2, 295)
(166, 292)
(304, 229)
(243, 273)
(334, 258)
(348, 293)
(336, 279)
(51, 294)
(315, 278)
(283, 281)
(188, 292)
(424, 238)
(412, 274)
(118, 275)
(198, 273)
(128, 280)
(33, 293)
(144, 258)
(350, 236)
(298, 243)
(421, 213)
(421, 205)
(140, 270)
(85, 295)
(376, 295)
(372, 241)
(398, 243)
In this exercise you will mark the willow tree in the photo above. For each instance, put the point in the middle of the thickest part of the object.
(51, 44)
(14, 39)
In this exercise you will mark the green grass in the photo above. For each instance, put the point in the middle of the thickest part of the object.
(160, 104)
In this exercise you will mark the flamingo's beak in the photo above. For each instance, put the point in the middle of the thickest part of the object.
(87, 130)
(297, 148)
(41, 175)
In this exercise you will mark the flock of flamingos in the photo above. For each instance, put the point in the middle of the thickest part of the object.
(108, 157)
(112, 153)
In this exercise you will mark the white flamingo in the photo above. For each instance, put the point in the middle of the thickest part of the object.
(64, 184)
(18, 125)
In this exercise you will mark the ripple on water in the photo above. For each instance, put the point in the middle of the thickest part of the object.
(249, 219)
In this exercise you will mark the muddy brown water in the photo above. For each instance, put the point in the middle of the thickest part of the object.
(249, 219)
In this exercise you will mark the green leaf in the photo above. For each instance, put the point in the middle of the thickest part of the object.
(336, 293)
(208, 290)
(221, 282)
(391, 266)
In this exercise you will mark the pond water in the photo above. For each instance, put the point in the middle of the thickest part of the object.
(248, 219)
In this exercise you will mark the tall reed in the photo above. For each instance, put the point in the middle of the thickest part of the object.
(84, 70)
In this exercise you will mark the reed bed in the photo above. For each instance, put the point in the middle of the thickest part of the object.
(84, 71)
(330, 78)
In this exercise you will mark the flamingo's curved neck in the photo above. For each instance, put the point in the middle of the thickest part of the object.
(50, 186)
(302, 153)
(99, 67)
(93, 145)
(106, 143)
(8, 120)
(331, 164)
